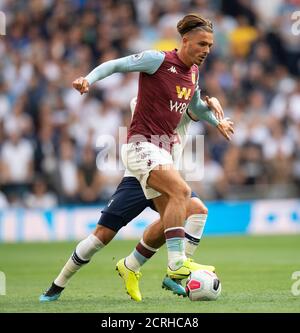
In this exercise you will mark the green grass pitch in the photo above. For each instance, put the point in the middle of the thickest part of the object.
(255, 272)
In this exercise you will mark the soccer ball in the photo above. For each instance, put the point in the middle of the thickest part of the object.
(203, 286)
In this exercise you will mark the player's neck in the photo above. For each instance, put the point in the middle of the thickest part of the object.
(184, 58)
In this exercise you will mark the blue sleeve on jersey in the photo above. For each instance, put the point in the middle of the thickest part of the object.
(147, 62)
(201, 110)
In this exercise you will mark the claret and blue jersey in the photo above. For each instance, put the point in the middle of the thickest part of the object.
(167, 88)
(163, 97)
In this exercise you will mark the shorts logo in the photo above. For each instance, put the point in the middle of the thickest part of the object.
(143, 156)
(110, 202)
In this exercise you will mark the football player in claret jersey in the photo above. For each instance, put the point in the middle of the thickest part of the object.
(168, 86)
(125, 204)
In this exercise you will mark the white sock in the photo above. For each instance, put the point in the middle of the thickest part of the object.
(88, 247)
(82, 255)
(193, 232)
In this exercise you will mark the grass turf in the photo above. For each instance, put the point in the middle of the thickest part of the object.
(255, 272)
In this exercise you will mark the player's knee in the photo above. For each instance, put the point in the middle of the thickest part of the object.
(184, 192)
(204, 210)
(187, 192)
(198, 207)
(104, 234)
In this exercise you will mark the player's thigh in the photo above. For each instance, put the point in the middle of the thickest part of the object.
(194, 205)
(165, 179)
(160, 203)
(140, 158)
(125, 204)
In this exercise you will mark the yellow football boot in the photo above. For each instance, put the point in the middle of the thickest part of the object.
(131, 280)
(187, 267)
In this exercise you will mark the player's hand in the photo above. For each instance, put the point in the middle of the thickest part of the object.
(81, 84)
(225, 127)
(214, 104)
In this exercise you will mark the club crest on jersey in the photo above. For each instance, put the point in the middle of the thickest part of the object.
(193, 77)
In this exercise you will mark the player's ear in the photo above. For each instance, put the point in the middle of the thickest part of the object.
(185, 39)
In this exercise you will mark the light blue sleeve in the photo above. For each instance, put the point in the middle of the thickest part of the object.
(201, 110)
(147, 62)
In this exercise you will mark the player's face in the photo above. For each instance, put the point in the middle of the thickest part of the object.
(197, 45)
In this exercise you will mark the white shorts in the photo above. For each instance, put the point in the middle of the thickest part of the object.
(140, 159)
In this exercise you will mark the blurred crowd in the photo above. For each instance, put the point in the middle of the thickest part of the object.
(50, 152)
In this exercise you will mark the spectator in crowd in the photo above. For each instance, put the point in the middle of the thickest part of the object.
(90, 180)
(45, 153)
(40, 197)
(4, 100)
(67, 173)
(16, 162)
(3, 201)
(19, 119)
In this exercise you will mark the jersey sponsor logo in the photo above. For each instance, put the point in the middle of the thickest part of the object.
(172, 69)
(178, 106)
(183, 92)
